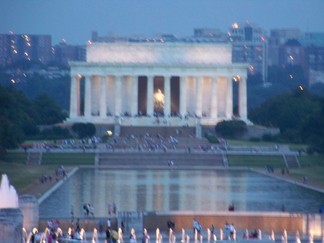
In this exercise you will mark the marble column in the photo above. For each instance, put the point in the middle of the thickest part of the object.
(87, 96)
(183, 96)
(229, 98)
(214, 97)
(118, 95)
(242, 98)
(150, 100)
(75, 96)
(103, 102)
(198, 96)
(167, 96)
(134, 99)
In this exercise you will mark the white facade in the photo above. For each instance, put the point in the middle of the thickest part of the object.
(154, 84)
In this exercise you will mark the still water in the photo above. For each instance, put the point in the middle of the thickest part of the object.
(177, 190)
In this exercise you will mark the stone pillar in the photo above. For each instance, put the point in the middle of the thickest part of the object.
(242, 98)
(103, 102)
(134, 101)
(150, 91)
(28, 205)
(87, 97)
(198, 96)
(214, 97)
(229, 98)
(118, 95)
(75, 96)
(167, 96)
(11, 225)
(183, 96)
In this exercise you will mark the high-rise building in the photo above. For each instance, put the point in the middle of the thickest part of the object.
(277, 38)
(17, 47)
(249, 45)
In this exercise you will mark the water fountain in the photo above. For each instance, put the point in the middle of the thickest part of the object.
(11, 217)
(8, 194)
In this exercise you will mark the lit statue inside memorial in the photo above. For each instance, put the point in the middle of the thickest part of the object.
(158, 100)
(8, 194)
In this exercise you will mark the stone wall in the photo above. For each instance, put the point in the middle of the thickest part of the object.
(241, 220)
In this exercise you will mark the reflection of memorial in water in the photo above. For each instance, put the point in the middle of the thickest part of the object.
(177, 190)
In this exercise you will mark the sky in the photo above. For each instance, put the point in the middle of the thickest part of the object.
(74, 20)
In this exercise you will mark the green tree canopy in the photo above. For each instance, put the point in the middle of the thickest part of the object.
(48, 112)
(84, 130)
(230, 129)
(292, 112)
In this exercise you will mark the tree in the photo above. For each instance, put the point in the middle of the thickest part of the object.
(230, 129)
(48, 112)
(84, 130)
(293, 112)
(16, 118)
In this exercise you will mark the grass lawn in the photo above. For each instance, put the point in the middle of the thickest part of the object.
(315, 174)
(22, 176)
(256, 161)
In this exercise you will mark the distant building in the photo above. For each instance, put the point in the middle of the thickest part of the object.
(313, 44)
(64, 53)
(277, 38)
(18, 47)
(292, 53)
(157, 84)
(249, 46)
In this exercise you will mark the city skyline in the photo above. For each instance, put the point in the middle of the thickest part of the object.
(75, 20)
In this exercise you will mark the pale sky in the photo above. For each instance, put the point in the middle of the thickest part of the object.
(74, 20)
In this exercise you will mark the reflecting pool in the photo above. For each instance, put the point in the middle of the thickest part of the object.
(177, 190)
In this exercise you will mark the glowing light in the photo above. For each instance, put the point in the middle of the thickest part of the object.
(236, 78)
(235, 26)
(159, 99)
(291, 76)
(109, 133)
(263, 39)
(301, 87)
(13, 81)
(89, 42)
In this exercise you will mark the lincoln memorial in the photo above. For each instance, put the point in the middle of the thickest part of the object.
(157, 84)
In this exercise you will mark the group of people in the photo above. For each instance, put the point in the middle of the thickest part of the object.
(230, 232)
(88, 209)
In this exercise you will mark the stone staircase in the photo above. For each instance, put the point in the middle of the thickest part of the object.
(291, 161)
(161, 159)
(34, 158)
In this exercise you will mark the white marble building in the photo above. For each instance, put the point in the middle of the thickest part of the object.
(153, 84)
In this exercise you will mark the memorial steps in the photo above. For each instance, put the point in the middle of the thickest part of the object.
(291, 161)
(161, 159)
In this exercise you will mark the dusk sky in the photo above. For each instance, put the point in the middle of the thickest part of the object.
(74, 20)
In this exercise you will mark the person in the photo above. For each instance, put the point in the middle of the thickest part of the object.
(170, 224)
(196, 226)
(146, 237)
(227, 230)
(109, 223)
(108, 235)
(212, 229)
(232, 231)
(231, 207)
(132, 238)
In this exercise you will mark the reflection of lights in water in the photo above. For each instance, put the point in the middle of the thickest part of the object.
(158, 99)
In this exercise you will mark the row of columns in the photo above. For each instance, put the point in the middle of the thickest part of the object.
(133, 99)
